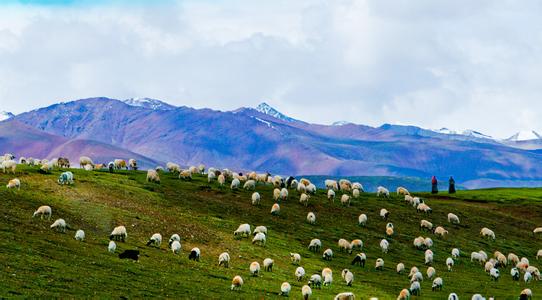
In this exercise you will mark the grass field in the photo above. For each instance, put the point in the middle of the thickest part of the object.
(38, 262)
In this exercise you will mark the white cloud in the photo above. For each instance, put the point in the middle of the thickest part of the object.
(459, 64)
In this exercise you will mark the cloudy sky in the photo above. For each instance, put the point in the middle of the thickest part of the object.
(459, 64)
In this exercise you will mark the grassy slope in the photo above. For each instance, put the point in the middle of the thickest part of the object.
(39, 262)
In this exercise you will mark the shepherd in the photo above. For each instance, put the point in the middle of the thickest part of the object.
(434, 185)
(451, 185)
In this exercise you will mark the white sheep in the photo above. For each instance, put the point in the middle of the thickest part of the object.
(331, 184)
(358, 186)
(275, 209)
(299, 273)
(328, 254)
(355, 193)
(419, 242)
(304, 199)
(224, 259)
(384, 213)
(221, 179)
(417, 276)
(494, 273)
(525, 294)
(152, 176)
(331, 195)
(235, 183)
(441, 231)
(486, 232)
(345, 246)
(66, 178)
(453, 218)
(79, 235)
(59, 225)
(475, 256)
(422, 207)
(345, 200)
(428, 242)
(14, 183)
(306, 292)
(402, 191)
(327, 274)
(415, 288)
(437, 284)
(9, 165)
(155, 240)
(260, 229)
(348, 277)
(382, 192)
(285, 289)
(259, 239)
(174, 237)
(384, 245)
(118, 234)
(254, 268)
(537, 230)
(453, 296)
(345, 296)
(428, 257)
(85, 160)
(379, 264)
(400, 268)
(527, 277)
(449, 263)
(111, 247)
(413, 271)
(315, 245)
(173, 167)
(242, 231)
(512, 258)
(211, 176)
(295, 258)
(311, 218)
(424, 224)
(283, 194)
(311, 189)
(404, 295)
(357, 244)
(316, 281)
(362, 220)
(431, 272)
(477, 297)
(455, 253)
(255, 198)
(236, 283)
(249, 185)
(538, 254)
(42, 211)
(176, 247)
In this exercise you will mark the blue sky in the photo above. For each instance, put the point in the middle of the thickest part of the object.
(457, 64)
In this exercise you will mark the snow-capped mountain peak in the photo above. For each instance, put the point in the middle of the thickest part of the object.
(466, 132)
(149, 103)
(527, 135)
(4, 115)
(340, 123)
(265, 108)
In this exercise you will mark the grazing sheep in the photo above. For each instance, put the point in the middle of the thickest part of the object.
(88, 167)
(254, 268)
(527, 277)
(63, 162)
(413, 271)
(501, 260)
(345, 246)
(173, 167)
(194, 254)
(331, 184)
(304, 199)
(133, 164)
(311, 189)
(327, 274)
(357, 186)
(331, 195)
(249, 185)
(306, 292)
(260, 229)
(345, 200)
(85, 160)
(242, 231)
(283, 194)
(185, 175)
(428, 242)
(400, 268)
(255, 198)
(379, 264)
(299, 273)
(419, 242)
(211, 176)
(42, 211)
(477, 297)
(431, 272)
(483, 255)
(404, 295)
(428, 257)
(112, 247)
(221, 179)
(345, 185)
(453, 218)
(382, 192)
(120, 164)
(66, 178)
(328, 254)
(360, 260)
(345, 296)
(130, 254)
(236, 283)
(455, 253)
(259, 239)
(512, 258)
(424, 224)
(416, 277)
(275, 209)
(315, 245)
(475, 256)
(486, 232)
(152, 176)
(422, 207)
(59, 225)
(384, 213)
(526, 294)
(301, 188)
(494, 273)
(362, 220)
(174, 237)
(389, 231)
(357, 244)
(9, 165)
(118, 234)
(534, 271)
(311, 218)
(80, 235)
(537, 230)
(295, 258)
(449, 263)
(316, 281)
(437, 284)
(384, 245)
(415, 288)
(155, 240)
(402, 191)
(488, 266)
(453, 296)
(416, 201)
(355, 193)
(176, 247)
(514, 272)
(409, 199)
(441, 231)
(224, 260)
(348, 277)
(538, 254)
(285, 289)
(235, 183)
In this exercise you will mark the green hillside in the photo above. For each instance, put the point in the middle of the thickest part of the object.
(39, 262)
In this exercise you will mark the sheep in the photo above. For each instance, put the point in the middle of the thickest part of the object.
(110, 166)
(63, 162)
(389, 231)
(283, 194)
(526, 294)
(355, 193)
(455, 253)
(311, 218)
(118, 234)
(441, 231)
(42, 211)
(476, 256)
(362, 220)
(477, 297)
(514, 272)
(221, 179)
(428, 242)
(173, 167)
(400, 268)
(402, 191)
(488, 266)
(235, 183)
(512, 258)
(236, 283)
(424, 224)
(59, 225)
(295, 258)
(538, 254)
(79, 235)
(22, 160)
(155, 240)
(449, 263)
(306, 292)
(316, 281)
(224, 259)
(174, 237)
(185, 175)
(348, 277)
(416, 277)
(345, 246)
(345, 200)
(275, 209)
(379, 264)
(130, 254)
(431, 272)
(404, 295)
(415, 288)
(301, 188)
(277, 181)
(428, 257)
(494, 273)
(419, 242)
(327, 274)
(437, 284)
(384, 213)
(194, 254)
(331, 195)
(254, 268)
(259, 239)
(328, 254)
(132, 163)
(9, 165)
(413, 271)
(304, 199)
(152, 176)
(120, 164)
(384, 245)
(501, 259)
(85, 160)
(486, 232)
(453, 218)
(357, 244)
(88, 167)
(534, 271)
(409, 199)
(285, 289)
(249, 185)
(299, 273)
(345, 296)
(260, 229)
(345, 185)
(537, 230)
(527, 277)
(422, 207)
(311, 189)
(292, 183)
(112, 247)
(483, 255)
(176, 247)
(382, 192)
(360, 260)
(242, 231)
(211, 176)
(358, 186)
(255, 198)
(453, 296)
(416, 201)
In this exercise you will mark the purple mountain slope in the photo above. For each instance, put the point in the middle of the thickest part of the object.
(250, 139)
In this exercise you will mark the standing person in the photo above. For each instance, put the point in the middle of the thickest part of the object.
(434, 185)
(451, 185)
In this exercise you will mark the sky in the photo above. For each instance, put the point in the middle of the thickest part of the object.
(456, 64)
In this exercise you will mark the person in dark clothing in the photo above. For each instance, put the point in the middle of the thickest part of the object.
(434, 185)
(451, 185)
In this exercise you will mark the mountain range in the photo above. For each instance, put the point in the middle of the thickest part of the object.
(264, 139)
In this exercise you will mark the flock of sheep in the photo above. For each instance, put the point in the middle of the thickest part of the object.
(281, 192)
